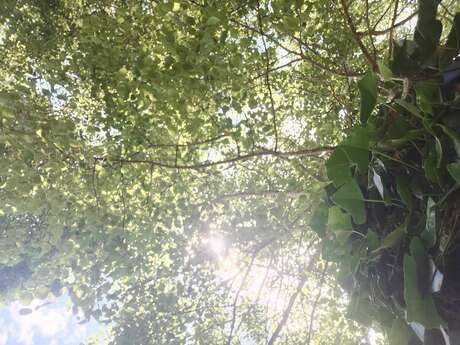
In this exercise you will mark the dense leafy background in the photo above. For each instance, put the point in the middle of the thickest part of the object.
(136, 134)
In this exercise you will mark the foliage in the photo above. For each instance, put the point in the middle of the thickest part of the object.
(393, 200)
(137, 135)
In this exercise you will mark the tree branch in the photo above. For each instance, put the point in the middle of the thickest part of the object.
(388, 30)
(292, 300)
(266, 193)
(301, 54)
(267, 76)
(357, 38)
(393, 20)
(207, 164)
(237, 295)
(273, 69)
(315, 303)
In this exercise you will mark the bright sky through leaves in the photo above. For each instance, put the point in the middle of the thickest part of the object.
(160, 162)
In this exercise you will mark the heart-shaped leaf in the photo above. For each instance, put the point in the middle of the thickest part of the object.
(454, 171)
(352, 152)
(350, 198)
(319, 219)
(385, 71)
(454, 137)
(361, 310)
(338, 220)
(419, 308)
(392, 238)
(373, 241)
(368, 90)
(452, 46)
(400, 333)
(404, 191)
(338, 167)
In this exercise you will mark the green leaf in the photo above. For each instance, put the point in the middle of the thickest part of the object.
(26, 298)
(426, 95)
(338, 167)
(410, 108)
(402, 63)
(402, 140)
(429, 166)
(368, 90)
(176, 6)
(212, 21)
(352, 152)
(361, 310)
(290, 23)
(319, 219)
(350, 198)
(419, 309)
(373, 241)
(427, 35)
(404, 191)
(392, 239)
(452, 47)
(332, 251)
(454, 171)
(338, 220)
(385, 71)
(438, 150)
(42, 292)
(356, 147)
(400, 333)
(420, 255)
(428, 30)
(454, 136)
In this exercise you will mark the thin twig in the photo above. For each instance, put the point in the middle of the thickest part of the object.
(93, 182)
(368, 24)
(292, 300)
(267, 76)
(293, 52)
(386, 31)
(273, 69)
(357, 38)
(393, 20)
(238, 292)
(315, 303)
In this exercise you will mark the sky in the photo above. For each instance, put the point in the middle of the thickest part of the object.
(53, 324)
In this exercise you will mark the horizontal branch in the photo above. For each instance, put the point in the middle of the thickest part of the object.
(240, 158)
(266, 193)
(274, 69)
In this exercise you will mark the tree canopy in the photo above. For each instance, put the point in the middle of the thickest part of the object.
(162, 161)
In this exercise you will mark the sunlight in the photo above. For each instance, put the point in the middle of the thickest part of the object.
(217, 245)
(258, 286)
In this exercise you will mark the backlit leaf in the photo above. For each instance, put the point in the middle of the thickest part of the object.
(350, 198)
(368, 90)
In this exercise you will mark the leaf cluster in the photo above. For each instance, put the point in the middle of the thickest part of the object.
(389, 215)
